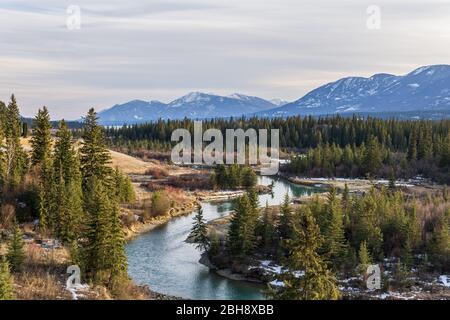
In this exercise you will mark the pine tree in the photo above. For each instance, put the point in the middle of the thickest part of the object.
(285, 226)
(412, 148)
(41, 140)
(67, 205)
(15, 157)
(199, 232)
(96, 255)
(364, 258)
(373, 156)
(16, 255)
(6, 283)
(95, 157)
(335, 242)
(48, 218)
(425, 143)
(117, 258)
(103, 251)
(346, 205)
(306, 276)
(241, 234)
(268, 229)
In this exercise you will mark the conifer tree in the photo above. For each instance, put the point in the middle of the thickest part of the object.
(364, 258)
(412, 148)
(48, 219)
(16, 255)
(306, 276)
(96, 256)
(117, 258)
(67, 193)
(103, 250)
(335, 242)
(6, 283)
(346, 205)
(41, 140)
(425, 143)
(15, 157)
(285, 226)
(241, 234)
(373, 156)
(199, 232)
(268, 228)
(95, 157)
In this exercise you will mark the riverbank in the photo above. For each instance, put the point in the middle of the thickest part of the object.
(417, 185)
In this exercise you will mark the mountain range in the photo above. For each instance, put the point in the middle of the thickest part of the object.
(195, 105)
(424, 92)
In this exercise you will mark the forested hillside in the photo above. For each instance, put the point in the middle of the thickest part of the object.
(68, 190)
(329, 146)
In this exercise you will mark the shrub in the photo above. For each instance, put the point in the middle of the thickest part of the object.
(160, 203)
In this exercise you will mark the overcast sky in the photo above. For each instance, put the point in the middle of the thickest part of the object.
(162, 49)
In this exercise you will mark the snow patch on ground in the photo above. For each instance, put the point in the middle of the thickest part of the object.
(444, 280)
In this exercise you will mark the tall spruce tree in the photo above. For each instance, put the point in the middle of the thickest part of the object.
(103, 251)
(117, 258)
(199, 232)
(306, 276)
(372, 157)
(412, 147)
(364, 258)
(335, 242)
(41, 139)
(285, 225)
(67, 191)
(41, 158)
(96, 255)
(95, 157)
(268, 230)
(241, 235)
(15, 157)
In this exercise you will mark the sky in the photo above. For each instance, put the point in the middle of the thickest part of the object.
(163, 49)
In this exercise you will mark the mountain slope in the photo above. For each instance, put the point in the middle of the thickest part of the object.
(135, 111)
(423, 90)
(194, 105)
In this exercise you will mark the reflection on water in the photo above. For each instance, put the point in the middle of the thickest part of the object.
(162, 260)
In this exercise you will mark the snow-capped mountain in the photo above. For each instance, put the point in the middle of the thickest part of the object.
(195, 105)
(135, 111)
(279, 102)
(426, 89)
(424, 92)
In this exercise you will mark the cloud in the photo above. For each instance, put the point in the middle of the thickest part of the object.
(162, 49)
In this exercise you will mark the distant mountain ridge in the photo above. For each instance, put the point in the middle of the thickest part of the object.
(424, 92)
(426, 89)
(195, 105)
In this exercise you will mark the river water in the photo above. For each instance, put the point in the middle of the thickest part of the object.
(163, 260)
